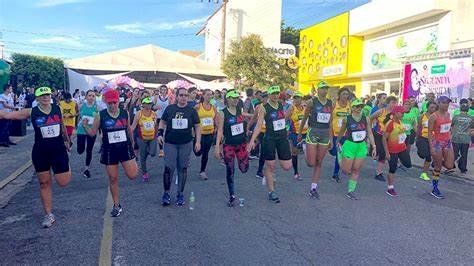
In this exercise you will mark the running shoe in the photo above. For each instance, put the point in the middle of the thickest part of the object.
(166, 199)
(231, 201)
(391, 192)
(436, 193)
(273, 197)
(180, 199)
(380, 177)
(259, 175)
(116, 211)
(87, 174)
(313, 193)
(253, 157)
(146, 177)
(449, 171)
(425, 176)
(203, 176)
(161, 154)
(336, 178)
(352, 196)
(297, 177)
(48, 220)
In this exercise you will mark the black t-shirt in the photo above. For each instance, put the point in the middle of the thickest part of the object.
(275, 122)
(48, 130)
(114, 129)
(179, 123)
(234, 127)
(29, 98)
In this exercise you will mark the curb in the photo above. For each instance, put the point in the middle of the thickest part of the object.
(467, 178)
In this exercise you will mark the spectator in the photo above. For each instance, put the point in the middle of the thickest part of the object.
(6, 104)
(462, 129)
(30, 97)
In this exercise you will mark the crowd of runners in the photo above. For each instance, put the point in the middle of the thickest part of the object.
(269, 125)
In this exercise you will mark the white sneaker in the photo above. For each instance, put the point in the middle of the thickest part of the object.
(48, 220)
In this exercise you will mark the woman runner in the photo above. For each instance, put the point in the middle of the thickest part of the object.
(274, 140)
(356, 128)
(295, 114)
(117, 144)
(232, 134)
(145, 122)
(160, 103)
(251, 127)
(409, 121)
(50, 148)
(69, 110)
(318, 113)
(88, 111)
(422, 143)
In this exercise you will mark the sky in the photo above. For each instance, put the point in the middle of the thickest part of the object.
(77, 28)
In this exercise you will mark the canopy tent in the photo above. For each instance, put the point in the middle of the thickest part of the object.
(147, 64)
(87, 82)
(212, 85)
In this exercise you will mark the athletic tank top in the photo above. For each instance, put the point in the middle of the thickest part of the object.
(161, 105)
(295, 120)
(442, 127)
(88, 112)
(338, 114)
(424, 125)
(48, 130)
(114, 129)
(68, 109)
(320, 115)
(234, 127)
(275, 121)
(146, 125)
(207, 119)
(356, 130)
(379, 126)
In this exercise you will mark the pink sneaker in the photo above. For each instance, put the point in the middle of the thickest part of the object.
(392, 193)
(146, 177)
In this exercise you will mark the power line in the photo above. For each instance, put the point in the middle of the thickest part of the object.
(51, 47)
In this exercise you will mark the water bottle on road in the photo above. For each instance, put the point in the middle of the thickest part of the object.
(191, 201)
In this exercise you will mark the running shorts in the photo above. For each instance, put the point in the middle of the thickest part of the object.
(317, 136)
(403, 156)
(423, 148)
(293, 137)
(116, 155)
(353, 150)
(440, 145)
(280, 145)
(47, 158)
(379, 146)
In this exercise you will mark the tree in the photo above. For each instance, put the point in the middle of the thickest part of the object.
(290, 35)
(38, 71)
(250, 64)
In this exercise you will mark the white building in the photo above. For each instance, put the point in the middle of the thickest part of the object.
(243, 17)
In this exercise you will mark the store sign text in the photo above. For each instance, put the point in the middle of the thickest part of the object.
(333, 70)
(283, 50)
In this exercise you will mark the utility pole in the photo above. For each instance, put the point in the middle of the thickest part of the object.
(224, 16)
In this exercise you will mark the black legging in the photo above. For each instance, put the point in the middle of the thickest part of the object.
(261, 160)
(81, 146)
(206, 144)
(403, 156)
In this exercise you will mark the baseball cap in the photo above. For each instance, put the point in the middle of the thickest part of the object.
(398, 109)
(444, 99)
(464, 101)
(323, 85)
(232, 94)
(111, 96)
(146, 100)
(273, 89)
(42, 91)
(298, 94)
(356, 102)
(264, 94)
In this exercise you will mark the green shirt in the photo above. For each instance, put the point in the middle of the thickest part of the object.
(366, 110)
(409, 119)
(458, 111)
(89, 112)
(462, 125)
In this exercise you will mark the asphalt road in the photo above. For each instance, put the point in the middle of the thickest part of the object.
(414, 228)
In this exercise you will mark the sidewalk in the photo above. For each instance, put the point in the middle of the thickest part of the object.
(17, 158)
(417, 162)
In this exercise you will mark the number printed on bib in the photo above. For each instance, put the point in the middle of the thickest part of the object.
(90, 119)
(149, 125)
(323, 118)
(359, 135)
(402, 138)
(179, 123)
(237, 129)
(208, 121)
(117, 136)
(444, 128)
(50, 131)
(425, 123)
(279, 124)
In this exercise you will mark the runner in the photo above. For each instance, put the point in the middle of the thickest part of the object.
(429, 97)
(88, 111)
(50, 148)
(132, 106)
(439, 138)
(295, 114)
(117, 144)
(160, 103)
(251, 127)
(394, 145)
(231, 133)
(319, 136)
(463, 125)
(179, 120)
(69, 110)
(354, 150)
(422, 144)
(208, 117)
(275, 139)
(409, 121)
(341, 110)
(377, 120)
(145, 122)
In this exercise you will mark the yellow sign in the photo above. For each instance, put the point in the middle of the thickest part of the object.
(293, 62)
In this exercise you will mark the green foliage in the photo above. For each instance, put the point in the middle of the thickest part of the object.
(290, 35)
(250, 64)
(39, 71)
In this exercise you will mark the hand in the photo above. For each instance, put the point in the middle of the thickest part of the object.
(197, 146)
(432, 152)
(68, 145)
(387, 156)
(330, 145)
(299, 138)
(217, 152)
(85, 121)
(160, 140)
(374, 152)
(250, 146)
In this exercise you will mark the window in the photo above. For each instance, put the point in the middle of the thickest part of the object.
(395, 88)
(376, 88)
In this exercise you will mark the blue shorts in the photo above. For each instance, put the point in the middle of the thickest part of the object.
(293, 138)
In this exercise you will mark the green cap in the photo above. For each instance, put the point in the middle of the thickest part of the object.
(273, 89)
(323, 85)
(298, 94)
(146, 100)
(42, 91)
(232, 94)
(357, 102)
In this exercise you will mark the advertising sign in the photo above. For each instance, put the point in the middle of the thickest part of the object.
(283, 50)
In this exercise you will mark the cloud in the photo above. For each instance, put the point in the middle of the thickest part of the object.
(144, 28)
(51, 3)
(65, 41)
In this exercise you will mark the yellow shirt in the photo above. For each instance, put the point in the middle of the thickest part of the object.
(146, 125)
(296, 117)
(424, 125)
(206, 118)
(69, 113)
(338, 114)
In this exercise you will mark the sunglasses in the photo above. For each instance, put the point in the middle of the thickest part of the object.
(183, 95)
(112, 103)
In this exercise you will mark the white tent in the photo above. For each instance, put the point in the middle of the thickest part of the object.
(87, 82)
(145, 58)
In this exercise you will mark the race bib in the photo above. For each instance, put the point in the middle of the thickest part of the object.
(208, 121)
(444, 128)
(279, 125)
(179, 123)
(402, 138)
(50, 131)
(149, 125)
(122, 99)
(237, 129)
(90, 119)
(117, 136)
(339, 122)
(323, 118)
(425, 123)
(359, 135)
